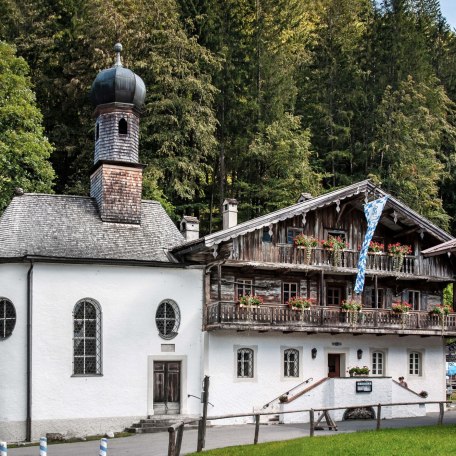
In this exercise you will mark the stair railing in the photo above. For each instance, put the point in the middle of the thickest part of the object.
(305, 382)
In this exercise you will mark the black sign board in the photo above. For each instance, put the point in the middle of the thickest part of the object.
(451, 358)
(364, 386)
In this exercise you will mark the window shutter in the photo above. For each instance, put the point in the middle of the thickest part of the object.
(389, 298)
(424, 300)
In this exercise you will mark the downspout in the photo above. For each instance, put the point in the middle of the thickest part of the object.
(28, 420)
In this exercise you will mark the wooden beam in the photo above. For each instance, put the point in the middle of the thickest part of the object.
(405, 233)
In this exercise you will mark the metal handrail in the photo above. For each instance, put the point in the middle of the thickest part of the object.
(305, 382)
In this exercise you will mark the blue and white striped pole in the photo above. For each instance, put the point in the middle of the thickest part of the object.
(43, 446)
(3, 449)
(103, 447)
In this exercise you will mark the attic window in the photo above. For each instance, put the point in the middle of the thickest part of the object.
(266, 236)
(123, 127)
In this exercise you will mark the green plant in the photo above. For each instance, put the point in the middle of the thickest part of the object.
(399, 249)
(351, 304)
(401, 307)
(250, 300)
(359, 370)
(334, 243)
(302, 240)
(439, 310)
(300, 303)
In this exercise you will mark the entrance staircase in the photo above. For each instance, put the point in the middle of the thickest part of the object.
(161, 423)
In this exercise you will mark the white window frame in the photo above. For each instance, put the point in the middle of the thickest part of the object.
(254, 349)
(374, 364)
(415, 363)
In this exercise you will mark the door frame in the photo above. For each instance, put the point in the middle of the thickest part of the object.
(150, 380)
(343, 360)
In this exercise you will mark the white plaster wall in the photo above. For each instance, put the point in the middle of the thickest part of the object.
(129, 297)
(229, 395)
(13, 361)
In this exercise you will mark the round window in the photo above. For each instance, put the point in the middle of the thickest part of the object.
(167, 319)
(7, 318)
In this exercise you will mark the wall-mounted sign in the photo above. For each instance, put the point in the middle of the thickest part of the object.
(336, 344)
(451, 358)
(364, 386)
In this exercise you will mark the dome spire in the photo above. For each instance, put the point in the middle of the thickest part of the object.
(118, 48)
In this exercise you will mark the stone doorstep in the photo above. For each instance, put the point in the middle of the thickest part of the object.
(161, 423)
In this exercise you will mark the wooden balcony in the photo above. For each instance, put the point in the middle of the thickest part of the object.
(229, 315)
(382, 264)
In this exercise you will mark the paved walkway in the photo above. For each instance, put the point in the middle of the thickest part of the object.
(219, 437)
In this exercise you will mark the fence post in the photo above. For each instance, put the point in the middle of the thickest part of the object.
(3, 449)
(379, 415)
(312, 422)
(203, 421)
(43, 446)
(441, 412)
(103, 447)
(180, 434)
(257, 429)
(172, 441)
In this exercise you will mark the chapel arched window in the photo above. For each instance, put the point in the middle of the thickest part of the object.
(167, 319)
(7, 318)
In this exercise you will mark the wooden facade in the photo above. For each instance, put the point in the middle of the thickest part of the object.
(263, 260)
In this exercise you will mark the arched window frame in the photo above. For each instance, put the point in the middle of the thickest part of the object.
(415, 363)
(378, 358)
(7, 318)
(123, 127)
(91, 340)
(245, 362)
(97, 131)
(163, 319)
(291, 363)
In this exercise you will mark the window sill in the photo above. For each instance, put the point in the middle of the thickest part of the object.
(86, 375)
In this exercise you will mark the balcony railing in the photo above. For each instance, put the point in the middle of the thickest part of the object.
(327, 319)
(379, 262)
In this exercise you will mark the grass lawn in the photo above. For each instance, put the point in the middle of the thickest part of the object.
(429, 440)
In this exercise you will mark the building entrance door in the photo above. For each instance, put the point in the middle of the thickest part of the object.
(333, 365)
(167, 387)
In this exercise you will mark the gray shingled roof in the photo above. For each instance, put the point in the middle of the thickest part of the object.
(61, 226)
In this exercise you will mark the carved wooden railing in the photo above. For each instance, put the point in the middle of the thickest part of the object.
(380, 262)
(331, 317)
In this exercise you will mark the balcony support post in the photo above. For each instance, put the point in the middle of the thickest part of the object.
(454, 297)
(219, 291)
(376, 291)
(322, 289)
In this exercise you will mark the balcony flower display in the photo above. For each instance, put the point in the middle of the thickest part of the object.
(401, 307)
(398, 251)
(376, 247)
(298, 303)
(440, 311)
(250, 300)
(307, 243)
(351, 304)
(353, 371)
(335, 245)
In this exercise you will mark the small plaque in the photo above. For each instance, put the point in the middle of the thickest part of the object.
(451, 358)
(364, 386)
(168, 348)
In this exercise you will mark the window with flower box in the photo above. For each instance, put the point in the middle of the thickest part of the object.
(244, 287)
(289, 290)
(292, 233)
(414, 299)
(334, 296)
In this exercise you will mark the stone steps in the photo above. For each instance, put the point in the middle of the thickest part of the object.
(161, 423)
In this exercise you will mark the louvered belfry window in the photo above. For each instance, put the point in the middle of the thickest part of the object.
(87, 358)
(7, 318)
(167, 319)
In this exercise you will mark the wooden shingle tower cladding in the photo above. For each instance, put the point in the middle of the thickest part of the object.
(116, 181)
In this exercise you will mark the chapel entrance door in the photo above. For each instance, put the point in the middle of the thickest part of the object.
(333, 365)
(167, 387)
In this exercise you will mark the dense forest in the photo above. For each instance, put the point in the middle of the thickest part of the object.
(254, 99)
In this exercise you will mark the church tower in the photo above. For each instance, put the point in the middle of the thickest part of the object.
(116, 180)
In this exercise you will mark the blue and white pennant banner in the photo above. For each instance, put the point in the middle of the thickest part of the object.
(372, 211)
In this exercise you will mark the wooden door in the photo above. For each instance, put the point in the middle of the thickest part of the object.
(166, 387)
(333, 365)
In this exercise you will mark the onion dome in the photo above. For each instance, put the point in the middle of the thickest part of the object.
(118, 85)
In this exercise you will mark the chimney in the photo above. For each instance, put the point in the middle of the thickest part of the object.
(189, 228)
(229, 213)
(304, 197)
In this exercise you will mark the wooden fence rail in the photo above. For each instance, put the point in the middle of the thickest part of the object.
(256, 415)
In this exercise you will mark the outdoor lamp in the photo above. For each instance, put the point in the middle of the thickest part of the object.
(314, 353)
(359, 353)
